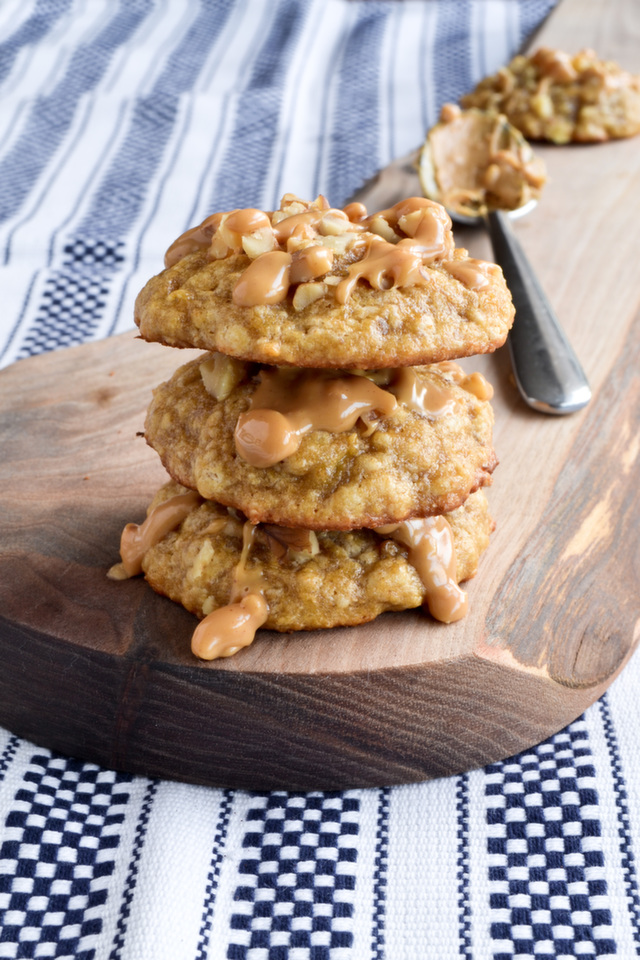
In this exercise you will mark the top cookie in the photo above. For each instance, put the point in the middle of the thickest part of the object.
(312, 286)
(553, 96)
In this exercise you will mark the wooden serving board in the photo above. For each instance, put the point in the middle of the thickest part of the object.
(103, 670)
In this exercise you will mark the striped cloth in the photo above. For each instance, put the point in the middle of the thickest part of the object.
(121, 124)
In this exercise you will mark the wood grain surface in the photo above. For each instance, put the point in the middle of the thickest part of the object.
(103, 670)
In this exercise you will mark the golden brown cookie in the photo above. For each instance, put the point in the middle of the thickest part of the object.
(350, 578)
(311, 286)
(421, 445)
(554, 96)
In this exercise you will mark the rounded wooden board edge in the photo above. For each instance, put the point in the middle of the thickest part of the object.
(140, 715)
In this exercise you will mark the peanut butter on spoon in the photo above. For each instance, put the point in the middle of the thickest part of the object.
(474, 161)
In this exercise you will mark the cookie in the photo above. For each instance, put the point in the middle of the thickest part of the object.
(311, 286)
(413, 442)
(332, 578)
(554, 96)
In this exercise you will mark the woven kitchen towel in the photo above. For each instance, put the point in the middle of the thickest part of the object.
(531, 857)
(120, 125)
(123, 123)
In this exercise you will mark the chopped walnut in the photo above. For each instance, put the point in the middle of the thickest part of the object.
(221, 374)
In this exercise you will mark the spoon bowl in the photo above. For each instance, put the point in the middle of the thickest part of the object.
(546, 369)
(481, 220)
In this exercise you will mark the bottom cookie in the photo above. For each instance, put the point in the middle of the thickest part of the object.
(290, 579)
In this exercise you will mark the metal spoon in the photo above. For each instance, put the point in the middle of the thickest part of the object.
(546, 369)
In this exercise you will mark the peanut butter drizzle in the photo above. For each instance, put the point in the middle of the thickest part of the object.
(385, 264)
(422, 395)
(355, 211)
(473, 273)
(432, 553)
(420, 228)
(304, 224)
(476, 384)
(138, 538)
(247, 220)
(473, 383)
(197, 238)
(227, 629)
(266, 280)
(427, 226)
(310, 263)
(283, 409)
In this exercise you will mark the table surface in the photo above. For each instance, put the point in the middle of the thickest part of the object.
(121, 127)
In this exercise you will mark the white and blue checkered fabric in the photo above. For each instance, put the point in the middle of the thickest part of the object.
(121, 124)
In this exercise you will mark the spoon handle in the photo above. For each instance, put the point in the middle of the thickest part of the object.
(546, 368)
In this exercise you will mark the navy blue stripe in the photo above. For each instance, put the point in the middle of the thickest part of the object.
(381, 862)
(23, 309)
(627, 855)
(297, 876)
(533, 13)
(318, 179)
(132, 875)
(217, 856)
(135, 155)
(250, 151)
(119, 197)
(355, 126)
(216, 138)
(74, 297)
(281, 188)
(52, 115)
(124, 188)
(216, 143)
(462, 866)
(66, 815)
(53, 174)
(80, 197)
(135, 259)
(395, 32)
(34, 28)
(547, 878)
(8, 754)
(452, 52)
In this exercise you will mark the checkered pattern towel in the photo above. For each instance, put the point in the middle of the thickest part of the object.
(121, 124)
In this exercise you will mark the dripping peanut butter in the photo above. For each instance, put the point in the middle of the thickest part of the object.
(301, 254)
(294, 254)
(289, 403)
(261, 549)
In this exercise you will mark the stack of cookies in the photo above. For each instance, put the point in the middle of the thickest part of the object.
(326, 453)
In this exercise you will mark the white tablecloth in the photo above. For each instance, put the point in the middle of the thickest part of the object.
(121, 124)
